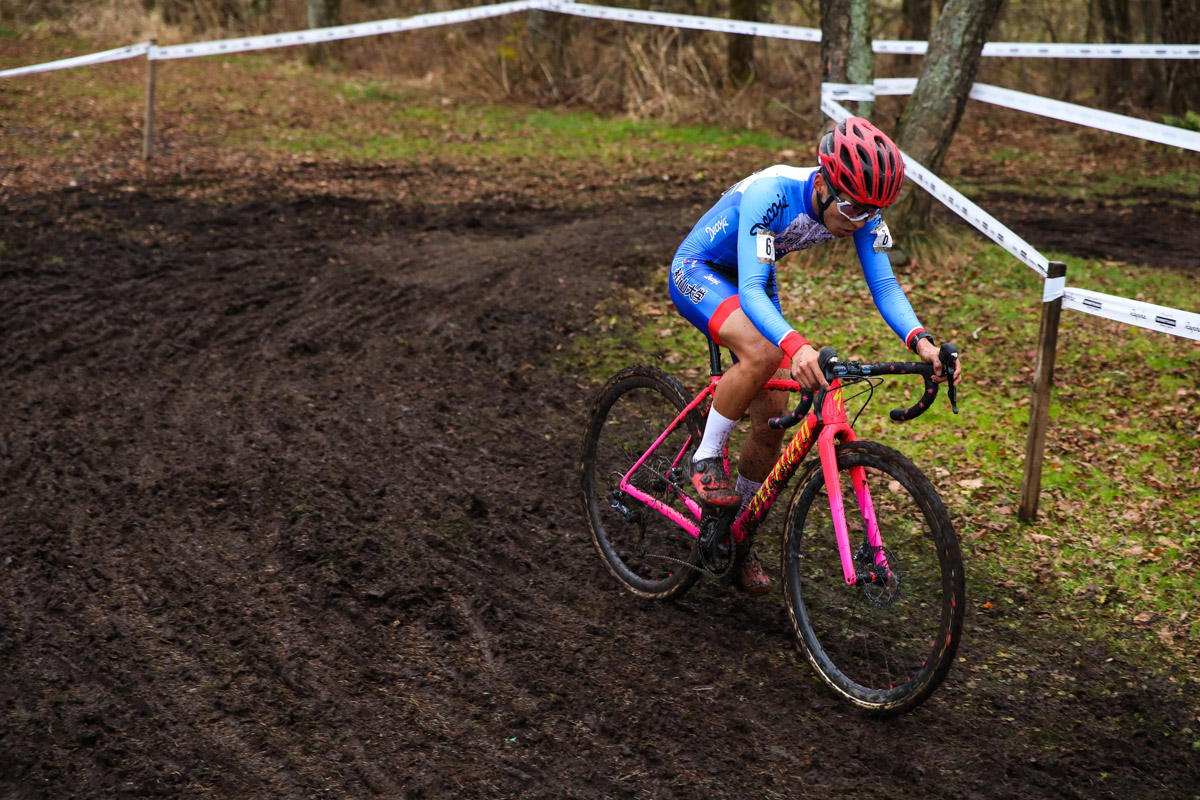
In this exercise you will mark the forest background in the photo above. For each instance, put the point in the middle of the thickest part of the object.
(677, 76)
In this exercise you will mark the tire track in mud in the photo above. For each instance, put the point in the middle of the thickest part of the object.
(287, 508)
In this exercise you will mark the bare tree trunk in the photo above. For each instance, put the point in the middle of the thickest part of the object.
(916, 19)
(741, 48)
(1181, 25)
(846, 54)
(1152, 86)
(935, 108)
(1115, 28)
(323, 14)
(546, 38)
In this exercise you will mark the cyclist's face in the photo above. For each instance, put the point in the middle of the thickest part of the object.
(835, 221)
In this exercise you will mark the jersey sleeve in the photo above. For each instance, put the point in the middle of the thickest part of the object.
(889, 298)
(764, 207)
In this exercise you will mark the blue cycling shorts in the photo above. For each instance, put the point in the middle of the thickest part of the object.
(705, 297)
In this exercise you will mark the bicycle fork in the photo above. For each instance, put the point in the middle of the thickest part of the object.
(836, 427)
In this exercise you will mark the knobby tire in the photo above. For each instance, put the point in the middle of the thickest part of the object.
(884, 649)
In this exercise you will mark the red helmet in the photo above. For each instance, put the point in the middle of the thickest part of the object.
(862, 163)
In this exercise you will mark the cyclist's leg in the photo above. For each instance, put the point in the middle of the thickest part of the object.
(758, 455)
(761, 448)
(758, 361)
(708, 300)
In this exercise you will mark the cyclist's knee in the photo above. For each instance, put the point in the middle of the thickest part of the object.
(762, 358)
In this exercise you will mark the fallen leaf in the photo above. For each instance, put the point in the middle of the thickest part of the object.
(971, 483)
(1143, 618)
(1166, 637)
(986, 605)
(1041, 537)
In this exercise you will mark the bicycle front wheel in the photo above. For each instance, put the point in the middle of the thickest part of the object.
(886, 642)
(649, 554)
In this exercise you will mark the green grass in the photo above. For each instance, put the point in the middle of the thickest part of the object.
(416, 130)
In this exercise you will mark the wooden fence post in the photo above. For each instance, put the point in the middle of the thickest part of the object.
(1043, 378)
(148, 137)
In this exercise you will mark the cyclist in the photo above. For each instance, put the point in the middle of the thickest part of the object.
(723, 282)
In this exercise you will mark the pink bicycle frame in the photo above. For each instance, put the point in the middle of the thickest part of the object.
(832, 428)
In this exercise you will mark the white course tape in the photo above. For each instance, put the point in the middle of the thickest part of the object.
(689, 21)
(841, 92)
(317, 35)
(893, 85)
(952, 199)
(1082, 115)
(1042, 106)
(1120, 309)
(1133, 312)
(1034, 50)
(117, 54)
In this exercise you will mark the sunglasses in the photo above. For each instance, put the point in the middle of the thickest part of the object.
(854, 212)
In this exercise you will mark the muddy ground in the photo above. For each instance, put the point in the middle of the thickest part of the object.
(288, 509)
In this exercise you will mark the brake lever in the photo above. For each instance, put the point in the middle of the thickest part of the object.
(948, 355)
(825, 359)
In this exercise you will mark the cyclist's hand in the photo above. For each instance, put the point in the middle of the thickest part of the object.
(806, 372)
(929, 354)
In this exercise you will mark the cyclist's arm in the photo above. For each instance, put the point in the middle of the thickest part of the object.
(760, 210)
(889, 298)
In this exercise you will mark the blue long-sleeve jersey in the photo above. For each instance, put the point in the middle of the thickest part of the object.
(778, 200)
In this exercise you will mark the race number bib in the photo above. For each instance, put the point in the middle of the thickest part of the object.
(883, 237)
(766, 247)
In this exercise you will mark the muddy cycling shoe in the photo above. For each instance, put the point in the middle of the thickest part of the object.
(751, 577)
(712, 483)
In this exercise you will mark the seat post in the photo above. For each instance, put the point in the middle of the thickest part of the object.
(714, 358)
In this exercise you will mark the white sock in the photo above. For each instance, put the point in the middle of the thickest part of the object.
(746, 488)
(716, 434)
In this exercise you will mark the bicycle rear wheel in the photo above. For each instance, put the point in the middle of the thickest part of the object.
(648, 553)
(883, 645)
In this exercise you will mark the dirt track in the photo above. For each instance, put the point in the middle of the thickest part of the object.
(288, 510)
